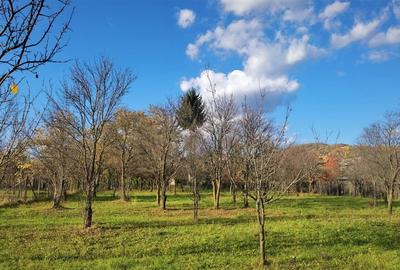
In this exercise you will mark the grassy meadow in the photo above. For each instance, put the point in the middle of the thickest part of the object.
(304, 232)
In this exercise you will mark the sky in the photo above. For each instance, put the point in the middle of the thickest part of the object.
(335, 63)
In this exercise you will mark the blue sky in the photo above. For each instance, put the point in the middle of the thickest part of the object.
(335, 62)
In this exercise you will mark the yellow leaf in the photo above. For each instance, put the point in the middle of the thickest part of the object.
(14, 88)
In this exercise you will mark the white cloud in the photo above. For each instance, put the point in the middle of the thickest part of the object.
(186, 18)
(359, 31)
(299, 50)
(334, 9)
(192, 51)
(265, 61)
(246, 38)
(330, 12)
(243, 7)
(240, 85)
(299, 15)
(235, 37)
(378, 56)
(238, 82)
(391, 36)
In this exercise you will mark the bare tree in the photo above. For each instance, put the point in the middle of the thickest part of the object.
(17, 126)
(234, 160)
(126, 143)
(31, 34)
(164, 148)
(220, 124)
(306, 157)
(265, 147)
(380, 146)
(362, 177)
(54, 150)
(91, 98)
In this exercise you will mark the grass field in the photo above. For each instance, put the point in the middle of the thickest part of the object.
(305, 232)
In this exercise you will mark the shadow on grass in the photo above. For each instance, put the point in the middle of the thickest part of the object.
(152, 197)
(329, 202)
(182, 223)
(75, 197)
(100, 197)
(17, 203)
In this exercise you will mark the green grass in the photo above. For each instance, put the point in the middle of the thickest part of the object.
(305, 232)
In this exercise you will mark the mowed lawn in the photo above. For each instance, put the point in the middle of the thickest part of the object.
(304, 232)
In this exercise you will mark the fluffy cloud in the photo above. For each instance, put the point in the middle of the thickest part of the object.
(237, 82)
(241, 85)
(299, 49)
(299, 15)
(265, 61)
(331, 11)
(359, 31)
(192, 51)
(186, 18)
(391, 36)
(235, 37)
(334, 9)
(246, 38)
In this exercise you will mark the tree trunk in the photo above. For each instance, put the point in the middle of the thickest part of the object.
(233, 192)
(195, 199)
(19, 188)
(164, 195)
(124, 195)
(57, 192)
(390, 200)
(158, 194)
(261, 229)
(96, 183)
(245, 196)
(88, 212)
(216, 192)
(25, 189)
(64, 189)
(38, 188)
(48, 192)
(32, 186)
(57, 200)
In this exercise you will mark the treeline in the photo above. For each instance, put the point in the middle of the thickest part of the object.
(86, 142)
(369, 168)
(85, 138)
